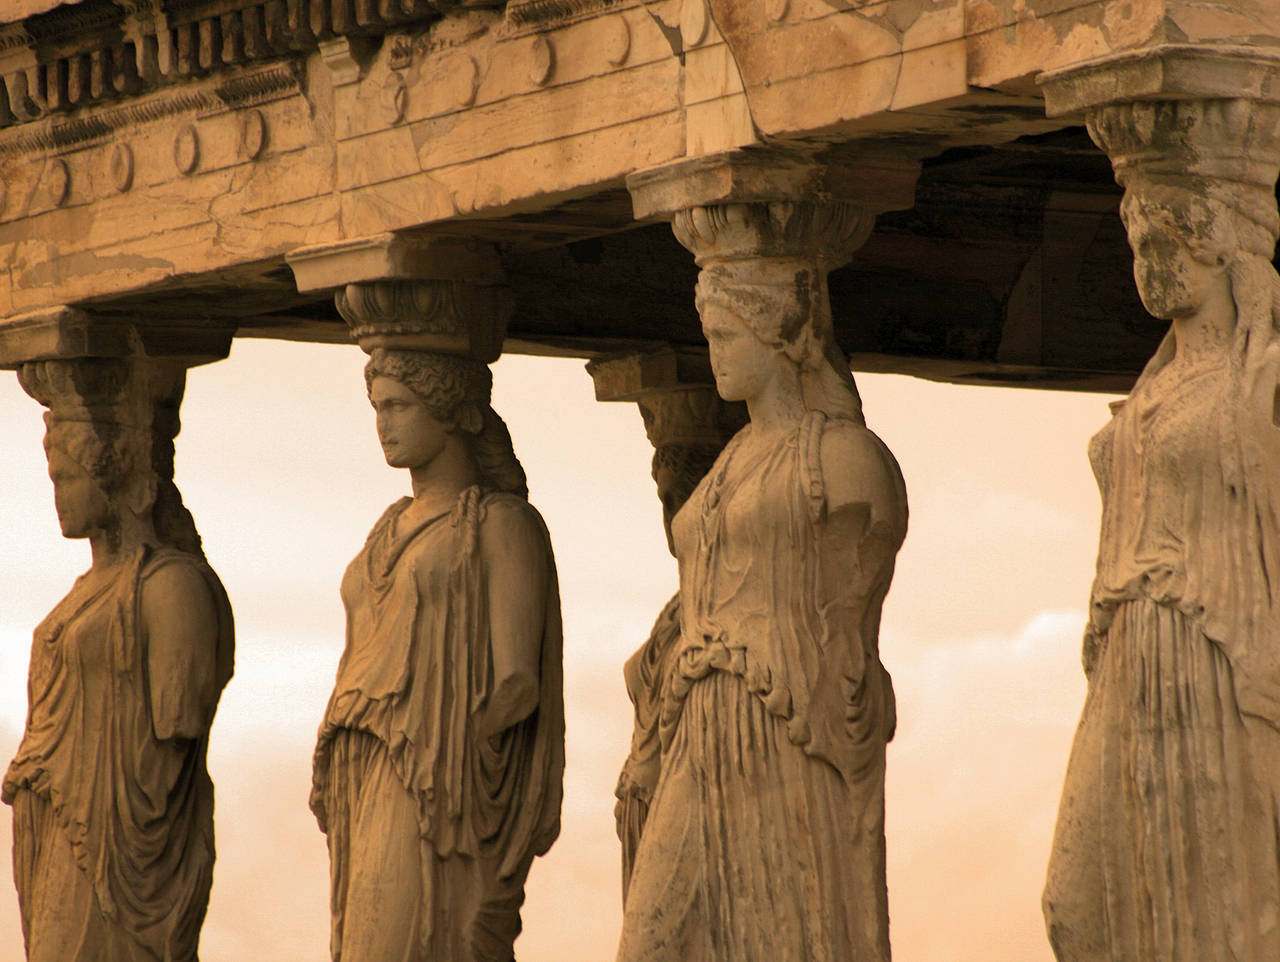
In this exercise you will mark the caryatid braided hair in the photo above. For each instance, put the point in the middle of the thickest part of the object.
(118, 421)
(456, 391)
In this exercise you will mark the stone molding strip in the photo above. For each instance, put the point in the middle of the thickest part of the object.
(101, 50)
(876, 183)
(389, 257)
(1165, 72)
(67, 332)
(528, 16)
(256, 85)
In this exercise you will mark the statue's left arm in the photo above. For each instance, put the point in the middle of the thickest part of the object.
(864, 496)
(514, 549)
(858, 506)
(180, 621)
(863, 522)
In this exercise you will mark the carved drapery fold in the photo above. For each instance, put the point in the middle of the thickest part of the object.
(128, 669)
(688, 425)
(765, 834)
(437, 788)
(1165, 846)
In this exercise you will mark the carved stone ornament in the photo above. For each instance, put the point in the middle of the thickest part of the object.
(695, 22)
(113, 807)
(1166, 845)
(394, 99)
(253, 133)
(186, 150)
(441, 316)
(463, 76)
(617, 43)
(58, 181)
(120, 167)
(100, 51)
(542, 60)
(764, 838)
(437, 788)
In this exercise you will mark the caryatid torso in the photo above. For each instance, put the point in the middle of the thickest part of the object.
(765, 837)
(113, 805)
(1166, 844)
(439, 765)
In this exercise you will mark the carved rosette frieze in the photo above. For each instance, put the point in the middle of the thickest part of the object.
(1183, 714)
(120, 167)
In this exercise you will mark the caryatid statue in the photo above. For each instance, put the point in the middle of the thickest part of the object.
(438, 772)
(688, 426)
(113, 806)
(1168, 839)
(764, 838)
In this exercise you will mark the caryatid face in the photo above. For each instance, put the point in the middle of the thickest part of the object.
(1171, 280)
(410, 435)
(743, 364)
(83, 507)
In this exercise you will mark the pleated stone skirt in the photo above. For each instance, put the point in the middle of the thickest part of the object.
(754, 851)
(1166, 847)
(392, 898)
(62, 919)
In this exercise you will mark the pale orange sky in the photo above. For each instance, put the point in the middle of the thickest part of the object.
(279, 464)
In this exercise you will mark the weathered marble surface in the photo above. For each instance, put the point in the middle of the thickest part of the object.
(113, 808)
(1166, 845)
(439, 764)
(765, 835)
(688, 427)
(156, 143)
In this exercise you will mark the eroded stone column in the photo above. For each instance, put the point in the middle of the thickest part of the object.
(688, 425)
(113, 806)
(1166, 845)
(765, 835)
(438, 772)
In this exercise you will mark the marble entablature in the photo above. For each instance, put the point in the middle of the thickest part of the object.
(960, 191)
